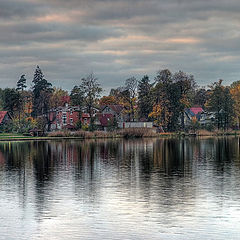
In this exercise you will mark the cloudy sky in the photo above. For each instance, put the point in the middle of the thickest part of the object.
(117, 39)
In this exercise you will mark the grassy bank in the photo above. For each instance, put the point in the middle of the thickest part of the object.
(124, 133)
(217, 133)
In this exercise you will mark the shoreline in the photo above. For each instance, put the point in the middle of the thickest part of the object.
(157, 135)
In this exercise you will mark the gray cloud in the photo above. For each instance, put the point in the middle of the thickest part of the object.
(118, 39)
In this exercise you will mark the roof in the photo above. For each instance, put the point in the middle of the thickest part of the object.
(196, 110)
(2, 115)
(105, 118)
(68, 126)
(116, 108)
(85, 115)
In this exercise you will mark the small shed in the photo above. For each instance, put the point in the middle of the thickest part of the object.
(135, 125)
(35, 132)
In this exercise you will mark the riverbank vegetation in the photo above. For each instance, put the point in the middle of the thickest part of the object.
(161, 100)
(125, 133)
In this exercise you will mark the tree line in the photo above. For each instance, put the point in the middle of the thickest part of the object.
(162, 100)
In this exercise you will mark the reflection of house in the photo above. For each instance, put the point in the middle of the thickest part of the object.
(191, 114)
(4, 117)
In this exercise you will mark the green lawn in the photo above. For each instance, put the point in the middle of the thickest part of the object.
(11, 135)
(4, 136)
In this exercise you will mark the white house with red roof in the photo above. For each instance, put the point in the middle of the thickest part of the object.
(193, 113)
(197, 113)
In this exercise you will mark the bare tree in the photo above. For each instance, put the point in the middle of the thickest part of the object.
(129, 94)
(91, 90)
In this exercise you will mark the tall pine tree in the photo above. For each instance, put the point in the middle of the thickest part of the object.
(42, 91)
(21, 83)
(144, 97)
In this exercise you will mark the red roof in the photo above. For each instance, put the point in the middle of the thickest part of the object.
(85, 115)
(105, 119)
(196, 110)
(2, 115)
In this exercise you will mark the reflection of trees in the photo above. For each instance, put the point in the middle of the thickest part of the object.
(159, 171)
(13, 160)
(172, 155)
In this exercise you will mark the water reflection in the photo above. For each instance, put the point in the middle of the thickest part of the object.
(120, 189)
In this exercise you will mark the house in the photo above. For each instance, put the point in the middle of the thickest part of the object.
(85, 119)
(104, 121)
(4, 117)
(65, 117)
(207, 118)
(116, 110)
(193, 113)
(94, 110)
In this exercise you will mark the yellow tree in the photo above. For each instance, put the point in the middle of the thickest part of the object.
(127, 96)
(160, 114)
(130, 107)
(107, 100)
(57, 97)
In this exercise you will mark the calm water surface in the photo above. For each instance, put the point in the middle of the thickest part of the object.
(137, 189)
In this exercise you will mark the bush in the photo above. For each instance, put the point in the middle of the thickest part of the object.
(209, 127)
(18, 126)
(82, 134)
(59, 134)
(137, 132)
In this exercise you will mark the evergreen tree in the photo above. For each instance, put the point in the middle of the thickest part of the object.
(21, 83)
(144, 97)
(77, 96)
(11, 100)
(221, 102)
(41, 93)
(200, 97)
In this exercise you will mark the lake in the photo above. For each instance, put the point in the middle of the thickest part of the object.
(163, 189)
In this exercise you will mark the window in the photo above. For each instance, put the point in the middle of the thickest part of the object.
(71, 120)
(64, 118)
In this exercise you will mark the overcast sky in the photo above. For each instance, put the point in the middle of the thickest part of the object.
(117, 39)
